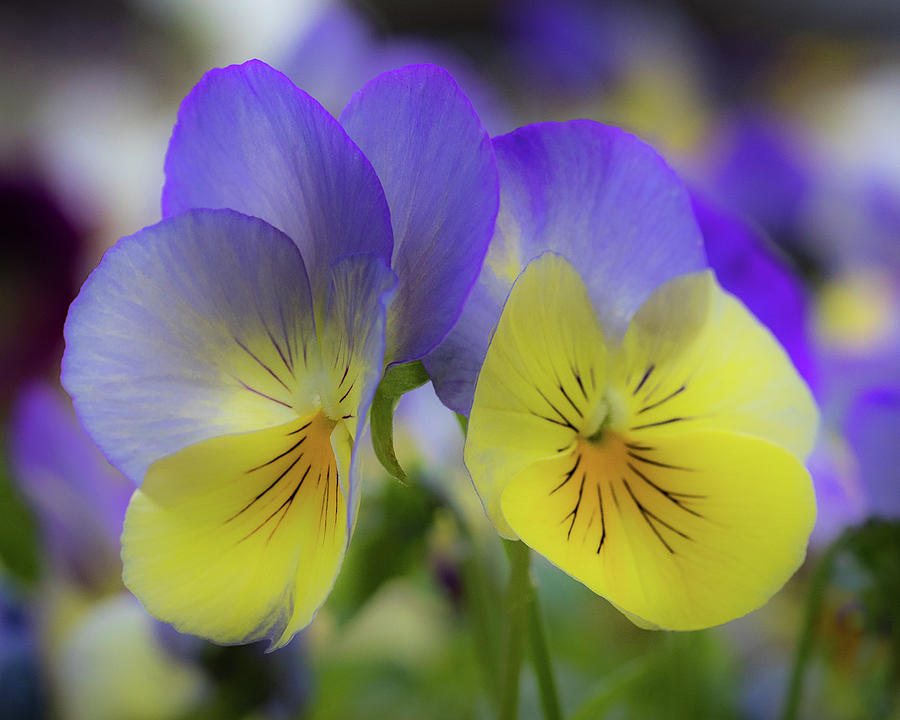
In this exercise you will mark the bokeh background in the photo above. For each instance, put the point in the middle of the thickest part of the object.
(783, 117)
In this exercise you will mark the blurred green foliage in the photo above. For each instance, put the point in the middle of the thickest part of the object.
(18, 531)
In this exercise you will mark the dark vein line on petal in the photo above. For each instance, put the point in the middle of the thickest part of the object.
(664, 400)
(278, 457)
(660, 423)
(647, 373)
(580, 383)
(566, 396)
(287, 339)
(262, 394)
(648, 515)
(671, 496)
(272, 485)
(300, 429)
(344, 376)
(554, 408)
(552, 420)
(574, 513)
(344, 396)
(568, 475)
(602, 518)
(657, 463)
(261, 363)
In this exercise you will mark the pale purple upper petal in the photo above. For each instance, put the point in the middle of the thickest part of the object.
(249, 140)
(187, 330)
(437, 167)
(597, 196)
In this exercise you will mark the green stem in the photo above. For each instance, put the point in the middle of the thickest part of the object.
(522, 604)
(540, 658)
(478, 602)
(815, 600)
(517, 610)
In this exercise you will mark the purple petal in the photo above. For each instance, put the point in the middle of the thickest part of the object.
(412, 50)
(187, 331)
(437, 167)
(751, 269)
(597, 196)
(78, 497)
(247, 139)
(873, 430)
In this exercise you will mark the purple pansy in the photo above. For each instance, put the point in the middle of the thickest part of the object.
(872, 428)
(762, 167)
(566, 47)
(78, 498)
(752, 269)
(593, 194)
(230, 352)
(340, 52)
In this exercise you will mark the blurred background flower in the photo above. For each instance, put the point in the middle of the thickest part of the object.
(783, 119)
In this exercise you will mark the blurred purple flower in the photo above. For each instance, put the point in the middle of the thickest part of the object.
(881, 204)
(753, 270)
(840, 492)
(77, 496)
(760, 167)
(853, 479)
(872, 428)
(340, 53)
(568, 47)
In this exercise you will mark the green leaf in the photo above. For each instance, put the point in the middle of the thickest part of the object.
(397, 381)
(612, 688)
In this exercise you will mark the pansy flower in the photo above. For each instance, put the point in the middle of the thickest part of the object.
(340, 51)
(632, 422)
(871, 427)
(226, 357)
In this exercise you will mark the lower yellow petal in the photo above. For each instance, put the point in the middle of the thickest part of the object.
(544, 370)
(239, 538)
(683, 532)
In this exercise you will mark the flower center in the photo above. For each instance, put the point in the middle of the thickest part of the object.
(605, 416)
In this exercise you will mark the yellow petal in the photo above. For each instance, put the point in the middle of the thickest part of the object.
(544, 368)
(695, 358)
(239, 538)
(683, 532)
